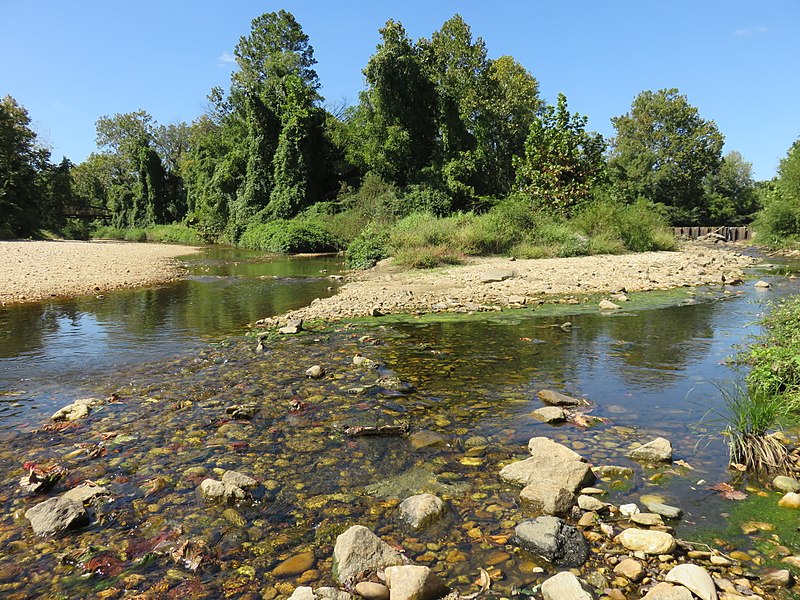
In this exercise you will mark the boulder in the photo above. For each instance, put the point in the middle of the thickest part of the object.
(694, 578)
(56, 514)
(414, 582)
(239, 480)
(72, 412)
(422, 510)
(667, 591)
(659, 450)
(358, 551)
(549, 414)
(211, 489)
(551, 466)
(552, 539)
(549, 499)
(558, 399)
(85, 492)
(647, 540)
(565, 586)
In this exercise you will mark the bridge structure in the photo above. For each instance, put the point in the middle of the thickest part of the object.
(723, 233)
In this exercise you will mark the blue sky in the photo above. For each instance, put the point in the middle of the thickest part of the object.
(69, 63)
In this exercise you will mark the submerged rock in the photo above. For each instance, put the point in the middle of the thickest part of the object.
(658, 450)
(782, 483)
(421, 510)
(552, 539)
(85, 492)
(57, 514)
(359, 551)
(549, 414)
(72, 412)
(558, 399)
(211, 489)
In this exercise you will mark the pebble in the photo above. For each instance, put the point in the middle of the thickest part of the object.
(294, 565)
(372, 591)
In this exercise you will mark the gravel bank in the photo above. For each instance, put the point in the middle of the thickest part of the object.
(37, 270)
(490, 283)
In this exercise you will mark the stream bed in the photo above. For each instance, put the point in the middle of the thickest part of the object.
(169, 363)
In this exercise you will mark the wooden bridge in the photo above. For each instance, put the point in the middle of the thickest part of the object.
(724, 233)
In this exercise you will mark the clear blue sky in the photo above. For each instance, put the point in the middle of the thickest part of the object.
(69, 63)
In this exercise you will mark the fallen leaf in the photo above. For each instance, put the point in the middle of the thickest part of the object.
(728, 492)
(739, 467)
(683, 463)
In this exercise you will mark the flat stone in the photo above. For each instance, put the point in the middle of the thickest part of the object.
(667, 591)
(553, 540)
(658, 450)
(565, 586)
(665, 510)
(694, 578)
(294, 565)
(554, 398)
(358, 550)
(549, 414)
(85, 492)
(647, 540)
(421, 510)
(239, 480)
(790, 500)
(630, 568)
(782, 483)
(551, 465)
(372, 591)
(72, 412)
(608, 305)
(647, 519)
(497, 275)
(414, 582)
(590, 503)
(549, 499)
(56, 514)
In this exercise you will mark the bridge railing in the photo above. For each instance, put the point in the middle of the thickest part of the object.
(729, 234)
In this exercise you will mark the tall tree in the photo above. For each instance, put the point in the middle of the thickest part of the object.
(731, 191)
(663, 150)
(562, 161)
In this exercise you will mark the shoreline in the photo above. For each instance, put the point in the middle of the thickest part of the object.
(33, 271)
(495, 283)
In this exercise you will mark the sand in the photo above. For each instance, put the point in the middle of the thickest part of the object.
(31, 271)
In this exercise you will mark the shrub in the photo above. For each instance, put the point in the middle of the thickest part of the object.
(367, 249)
(637, 227)
(176, 233)
(777, 223)
(76, 229)
(424, 198)
(427, 257)
(288, 237)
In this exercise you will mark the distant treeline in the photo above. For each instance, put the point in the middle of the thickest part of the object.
(440, 129)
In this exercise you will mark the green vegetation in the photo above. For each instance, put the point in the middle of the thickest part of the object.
(165, 234)
(778, 224)
(448, 153)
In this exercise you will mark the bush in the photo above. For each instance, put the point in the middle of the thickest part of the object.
(177, 233)
(615, 227)
(76, 229)
(427, 257)
(367, 249)
(289, 237)
(424, 198)
(777, 223)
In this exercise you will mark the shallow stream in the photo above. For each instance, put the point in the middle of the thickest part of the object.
(173, 358)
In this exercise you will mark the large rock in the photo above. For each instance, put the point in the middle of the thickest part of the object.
(558, 399)
(659, 450)
(694, 578)
(72, 412)
(421, 510)
(211, 489)
(551, 500)
(667, 591)
(565, 586)
(239, 480)
(647, 540)
(57, 514)
(358, 550)
(550, 467)
(553, 540)
(550, 414)
(414, 582)
(85, 492)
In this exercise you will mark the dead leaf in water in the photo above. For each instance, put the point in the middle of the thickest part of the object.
(728, 492)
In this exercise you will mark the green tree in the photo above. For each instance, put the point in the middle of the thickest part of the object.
(731, 191)
(562, 162)
(779, 220)
(663, 150)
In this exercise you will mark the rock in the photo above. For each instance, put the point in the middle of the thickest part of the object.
(72, 412)
(551, 465)
(790, 500)
(363, 361)
(294, 565)
(694, 578)
(549, 414)
(422, 510)
(211, 489)
(331, 593)
(292, 326)
(414, 582)
(372, 591)
(665, 510)
(85, 492)
(549, 499)
(358, 550)
(376, 311)
(793, 561)
(315, 372)
(763, 285)
(242, 411)
(303, 593)
(632, 569)
(56, 514)
(497, 275)
(777, 579)
(613, 471)
(782, 483)
(425, 438)
(647, 541)
(628, 510)
(667, 591)
(557, 399)
(239, 480)
(647, 519)
(659, 450)
(587, 519)
(608, 305)
(553, 540)
(590, 503)
(395, 384)
(565, 586)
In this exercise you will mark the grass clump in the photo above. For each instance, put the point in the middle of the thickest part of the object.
(289, 237)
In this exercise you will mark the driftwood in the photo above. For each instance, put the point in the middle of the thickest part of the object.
(359, 430)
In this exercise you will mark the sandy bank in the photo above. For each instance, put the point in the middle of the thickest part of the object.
(493, 283)
(37, 270)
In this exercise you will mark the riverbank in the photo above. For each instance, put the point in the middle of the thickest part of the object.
(37, 270)
(489, 283)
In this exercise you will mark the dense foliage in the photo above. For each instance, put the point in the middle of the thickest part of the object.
(442, 137)
(779, 221)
